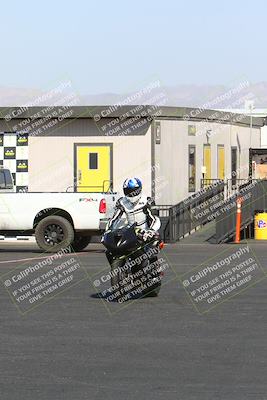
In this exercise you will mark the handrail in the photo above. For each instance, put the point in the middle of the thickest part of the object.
(102, 187)
(254, 195)
(209, 182)
(189, 214)
(197, 210)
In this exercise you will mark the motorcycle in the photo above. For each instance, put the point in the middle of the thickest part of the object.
(135, 269)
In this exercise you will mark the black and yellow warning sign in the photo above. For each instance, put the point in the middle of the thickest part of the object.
(22, 166)
(14, 156)
(9, 153)
(22, 139)
(21, 189)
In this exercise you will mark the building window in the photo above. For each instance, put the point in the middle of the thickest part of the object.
(93, 160)
(191, 168)
(233, 165)
(157, 132)
(191, 130)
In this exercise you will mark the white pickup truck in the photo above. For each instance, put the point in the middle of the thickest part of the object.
(58, 220)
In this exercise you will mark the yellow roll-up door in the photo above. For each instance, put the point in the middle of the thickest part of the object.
(207, 161)
(221, 161)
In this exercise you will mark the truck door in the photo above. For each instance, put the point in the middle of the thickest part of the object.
(93, 167)
(6, 186)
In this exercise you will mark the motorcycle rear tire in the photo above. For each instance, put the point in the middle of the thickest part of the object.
(152, 291)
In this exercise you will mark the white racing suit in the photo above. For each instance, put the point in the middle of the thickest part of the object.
(139, 213)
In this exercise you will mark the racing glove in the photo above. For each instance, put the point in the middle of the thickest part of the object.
(147, 234)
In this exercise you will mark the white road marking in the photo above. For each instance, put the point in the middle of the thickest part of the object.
(37, 258)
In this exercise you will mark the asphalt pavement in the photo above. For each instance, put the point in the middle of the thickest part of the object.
(74, 343)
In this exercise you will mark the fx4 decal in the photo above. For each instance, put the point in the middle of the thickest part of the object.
(87, 199)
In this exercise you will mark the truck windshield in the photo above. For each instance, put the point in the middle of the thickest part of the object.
(6, 181)
(2, 180)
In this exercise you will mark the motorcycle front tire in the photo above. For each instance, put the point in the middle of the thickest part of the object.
(116, 280)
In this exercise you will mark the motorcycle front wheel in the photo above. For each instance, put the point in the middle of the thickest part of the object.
(119, 279)
(153, 284)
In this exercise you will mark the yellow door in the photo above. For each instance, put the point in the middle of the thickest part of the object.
(207, 162)
(93, 172)
(221, 162)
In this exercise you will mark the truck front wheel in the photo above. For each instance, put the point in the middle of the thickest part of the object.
(54, 233)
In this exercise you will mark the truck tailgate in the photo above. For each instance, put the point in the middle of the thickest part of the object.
(111, 200)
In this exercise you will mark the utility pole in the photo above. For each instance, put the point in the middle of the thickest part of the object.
(250, 106)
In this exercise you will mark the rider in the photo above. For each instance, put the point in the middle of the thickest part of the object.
(137, 209)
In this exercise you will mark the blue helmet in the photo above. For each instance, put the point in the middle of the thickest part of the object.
(132, 189)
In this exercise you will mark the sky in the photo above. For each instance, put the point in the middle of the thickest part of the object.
(117, 46)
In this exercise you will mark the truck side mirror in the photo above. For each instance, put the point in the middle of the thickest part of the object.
(2, 180)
